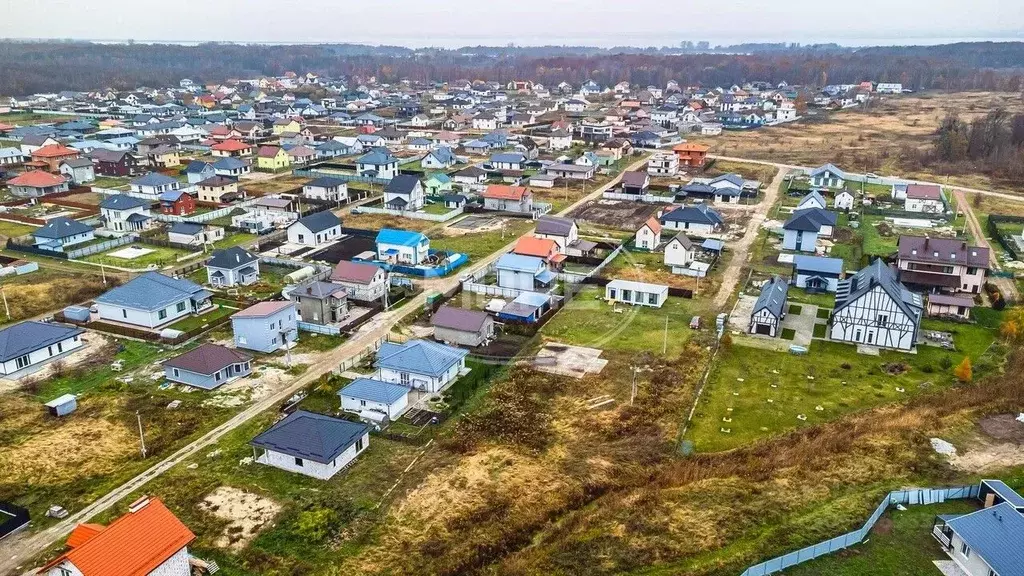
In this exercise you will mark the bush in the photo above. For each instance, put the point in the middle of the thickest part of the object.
(945, 363)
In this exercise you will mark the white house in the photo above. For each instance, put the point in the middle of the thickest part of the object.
(679, 252)
(874, 308)
(520, 272)
(154, 184)
(844, 200)
(404, 192)
(362, 281)
(663, 164)
(326, 188)
(827, 176)
(420, 364)
(311, 444)
(813, 199)
(560, 140)
(402, 246)
(152, 300)
(770, 308)
(27, 346)
(648, 237)
(816, 273)
(121, 213)
(926, 198)
(803, 229)
(316, 229)
(988, 541)
(366, 394)
(636, 293)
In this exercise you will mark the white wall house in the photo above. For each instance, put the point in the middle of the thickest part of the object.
(366, 394)
(636, 293)
(315, 229)
(680, 252)
(873, 308)
(311, 444)
(402, 364)
(29, 345)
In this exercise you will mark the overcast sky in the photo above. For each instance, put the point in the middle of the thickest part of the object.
(525, 22)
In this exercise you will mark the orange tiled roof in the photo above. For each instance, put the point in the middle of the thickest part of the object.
(84, 532)
(133, 545)
(691, 147)
(500, 192)
(533, 246)
(36, 178)
(55, 151)
(653, 224)
(231, 146)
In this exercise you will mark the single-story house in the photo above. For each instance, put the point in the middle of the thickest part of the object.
(61, 232)
(151, 300)
(699, 219)
(315, 229)
(312, 444)
(817, 273)
(637, 293)
(463, 327)
(265, 326)
(944, 305)
(526, 307)
(402, 246)
(420, 364)
(208, 366)
(25, 347)
(36, 183)
(508, 198)
(367, 394)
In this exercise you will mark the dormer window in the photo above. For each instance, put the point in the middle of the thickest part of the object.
(935, 254)
(914, 252)
(952, 256)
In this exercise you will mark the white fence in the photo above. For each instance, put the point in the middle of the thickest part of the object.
(410, 214)
(646, 198)
(319, 329)
(102, 246)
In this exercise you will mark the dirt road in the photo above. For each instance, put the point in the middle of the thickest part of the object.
(741, 249)
(23, 548)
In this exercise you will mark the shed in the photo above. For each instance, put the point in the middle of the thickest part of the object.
(463, 327)
(77, 313)
(62, 405)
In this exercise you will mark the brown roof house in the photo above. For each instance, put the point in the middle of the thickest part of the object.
(208, 366)
(362, 281)
(462, 327)
(942, 265)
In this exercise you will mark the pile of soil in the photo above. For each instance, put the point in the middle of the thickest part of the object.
(884, 229)
(1003, 427)
(895, 368)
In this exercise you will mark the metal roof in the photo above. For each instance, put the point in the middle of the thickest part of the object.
(878, 274)
(419, 356)
(773, 297)
(153, 179)
(1007, 493)
(996, 534)
(124, 202)
(459, 319)
(554, 226)
(806, 263)
(399, 237)
(402, 184)
(374, 391)
(311, 436)
(207, 359)
(319, 221)
(29, 336)
(61, 227)
(520, 263)
(151, 291)
(231, 258)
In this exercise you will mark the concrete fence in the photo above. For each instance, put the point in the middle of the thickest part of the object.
(911, 497)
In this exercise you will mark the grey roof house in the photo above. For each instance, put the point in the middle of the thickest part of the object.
(312, 444)
(420, 364)
(315, 229)
(770, 308)
(60, 232)
(232, 266)
(152, 300)
(463, 327)
(25, 347)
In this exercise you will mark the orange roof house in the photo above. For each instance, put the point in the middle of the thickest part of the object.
(53, 155)
(648, 237)
(501, 192)
(508, 198)
(147, 538)
(539, 247)
(231, 148)
(692, 154)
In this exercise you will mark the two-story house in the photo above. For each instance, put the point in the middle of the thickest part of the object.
(942, 265)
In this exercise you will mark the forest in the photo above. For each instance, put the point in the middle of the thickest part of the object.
(30, 67)
(991, 144)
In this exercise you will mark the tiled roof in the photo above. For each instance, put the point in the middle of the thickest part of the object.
(554, 226)
(773, 296)
(61, 227)
(459, 319)
(151, 291)
(500, 192)
(36, 179)
(533, 246)
(133, 545)
(354, 272)
(55, 151)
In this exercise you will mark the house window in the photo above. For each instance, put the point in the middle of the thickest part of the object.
(302, 238)
(22, 361)
(60, 347)
(882, 319)
(359, 445)
(50, 350)
(124, 313)
(965, 549)
(652, 298)
(404, 377)
(181, 306)
(216, 376)
(362, 402)
(175, 372)
(298, 462)
(161, 314)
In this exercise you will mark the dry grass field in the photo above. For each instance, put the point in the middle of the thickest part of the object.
(868, 139)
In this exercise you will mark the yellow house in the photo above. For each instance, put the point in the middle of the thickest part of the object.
(272, 158)
(286, 125)
(165, 157)
(215, 188)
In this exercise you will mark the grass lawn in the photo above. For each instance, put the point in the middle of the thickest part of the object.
(15, 229)
(110, 182)
(801, 296)
(193, 322)
(795, 309)
(900, 545)
(875, 244)
(478, 246)
(310, 342)
(589, 321)
(160, 256)
(234, 239)
(764, 392)
(820, 330)
(436, 208)
(788, 334)
(132, 355)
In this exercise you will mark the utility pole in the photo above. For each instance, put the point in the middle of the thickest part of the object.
(6, 308)
(142, 438)
(632, 392)
(664, 341)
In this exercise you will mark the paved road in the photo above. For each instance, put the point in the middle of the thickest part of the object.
(741, 249)
(25, 547)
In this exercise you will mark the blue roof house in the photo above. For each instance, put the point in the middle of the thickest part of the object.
(827, 176)
(402, 247)
(378, 163)
(989, 541)
(60, 232)
(437, 159)
(265, 326)
(311, 444)
(154, 184)
(365, 394)
(25, 347)
(197, 171)
(520, 272)
(419, 364)
(816, 273)
(770, 308)
(152, 300)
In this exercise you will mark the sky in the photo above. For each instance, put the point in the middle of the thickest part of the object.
(454, 23)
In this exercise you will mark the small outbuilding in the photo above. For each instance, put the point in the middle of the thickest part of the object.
(636, 293)
(367, 394)
(62, 405)
(462, 327)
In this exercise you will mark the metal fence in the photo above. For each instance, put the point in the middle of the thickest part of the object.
(102, 246)
(410, 214)
(314, 173)
(319, 329)
(993, 231)
(905, 497)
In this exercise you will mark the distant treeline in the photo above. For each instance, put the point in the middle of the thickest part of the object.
(28, 67)
(991, 144)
